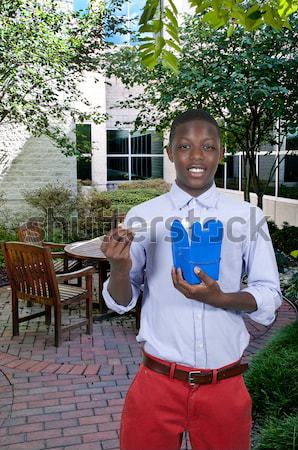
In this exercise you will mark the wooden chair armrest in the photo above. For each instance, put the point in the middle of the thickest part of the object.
(77, 274)
(53, 245)
(61, 255)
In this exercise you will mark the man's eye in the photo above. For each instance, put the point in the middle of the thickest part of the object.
(208, 148)
(184, 146)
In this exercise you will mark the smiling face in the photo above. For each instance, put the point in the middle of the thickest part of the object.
(195, 150)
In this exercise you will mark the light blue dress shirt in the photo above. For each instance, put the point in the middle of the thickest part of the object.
(187, 331)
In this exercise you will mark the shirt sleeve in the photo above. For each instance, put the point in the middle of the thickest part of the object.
(261, 268)
(138, 257)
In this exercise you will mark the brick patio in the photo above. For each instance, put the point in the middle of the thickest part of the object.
(71, 397)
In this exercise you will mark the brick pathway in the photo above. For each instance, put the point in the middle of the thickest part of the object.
(71, 397)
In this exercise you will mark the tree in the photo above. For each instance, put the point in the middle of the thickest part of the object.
(161, 16)
(44, 53)
(247, 81)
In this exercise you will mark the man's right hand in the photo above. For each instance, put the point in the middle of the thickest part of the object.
(116, 247)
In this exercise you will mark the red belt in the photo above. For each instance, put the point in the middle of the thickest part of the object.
(194, 377)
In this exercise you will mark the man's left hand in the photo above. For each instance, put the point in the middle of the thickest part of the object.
(207, 292)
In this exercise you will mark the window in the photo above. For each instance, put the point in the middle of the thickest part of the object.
(291, 168)
(130, 12)
(84, 145)
(134, 156)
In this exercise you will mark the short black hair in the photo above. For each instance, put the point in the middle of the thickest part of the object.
(189, 116)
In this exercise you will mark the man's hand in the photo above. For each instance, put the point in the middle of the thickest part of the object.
(210, 293)
(116, 247)
(207, 292)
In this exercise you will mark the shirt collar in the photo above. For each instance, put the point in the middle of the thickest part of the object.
(181, 199)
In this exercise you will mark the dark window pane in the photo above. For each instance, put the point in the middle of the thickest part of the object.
(291, 168)
(219, 176)
(83, 138)
(233, 172)
(117, 168)
(148, 144)
(117, 142)
(84, 169)
(145, 167)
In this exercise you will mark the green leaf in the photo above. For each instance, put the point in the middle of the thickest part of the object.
(171, 61)
(149, 60)
(173, 45)
(149, 11)
(286, 8)
(231, 30)
(214, 19)
(173, 32)
(171, 17)
(160, 43)
(173, 6)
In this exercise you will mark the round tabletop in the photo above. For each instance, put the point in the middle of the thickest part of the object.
(86, 249)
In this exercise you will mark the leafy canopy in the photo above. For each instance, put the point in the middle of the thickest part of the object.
(163, 21)
(44, 53)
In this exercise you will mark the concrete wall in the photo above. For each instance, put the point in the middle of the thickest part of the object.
(37, 162)
(115, 92)
(278, 209)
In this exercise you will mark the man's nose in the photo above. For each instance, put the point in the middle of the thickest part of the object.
(196, 152)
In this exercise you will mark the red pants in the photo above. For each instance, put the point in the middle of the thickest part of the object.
(158, 409)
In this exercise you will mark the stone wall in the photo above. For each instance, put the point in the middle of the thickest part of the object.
(29, 163)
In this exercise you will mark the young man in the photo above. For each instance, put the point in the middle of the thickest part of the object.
(193, 336)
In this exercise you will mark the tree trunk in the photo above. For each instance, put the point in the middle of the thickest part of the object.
(246, 179)
(260, 199)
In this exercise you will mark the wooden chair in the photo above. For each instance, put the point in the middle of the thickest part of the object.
(31, 233)
(32, 277)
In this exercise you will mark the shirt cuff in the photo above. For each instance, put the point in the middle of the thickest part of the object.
(265, 312)
(113, 305)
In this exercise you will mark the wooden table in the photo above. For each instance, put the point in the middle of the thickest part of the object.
(91, 250)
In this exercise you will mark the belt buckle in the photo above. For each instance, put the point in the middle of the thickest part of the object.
(190, 377)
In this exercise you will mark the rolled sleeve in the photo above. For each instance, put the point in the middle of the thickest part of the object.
(266, 309)
(138, 258)
(263, 277)
(113, 305)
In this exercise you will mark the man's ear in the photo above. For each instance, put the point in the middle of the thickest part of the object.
(170, 153)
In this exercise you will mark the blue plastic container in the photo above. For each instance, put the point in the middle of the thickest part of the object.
(203, 250)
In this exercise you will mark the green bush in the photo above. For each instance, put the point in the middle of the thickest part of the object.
(6, 234)
(279, 434)
(127, 198)
(94, 211)
(272, 377)
(56, 203)
(292, 291)
(153, 183)
(284, 239)
(272, 383)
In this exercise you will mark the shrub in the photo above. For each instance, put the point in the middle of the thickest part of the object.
(292, 291)
(56, 203)
(271, 379)
(279, 433)
(284, 239)
(94, 211)
(127, 198)
(153, 183)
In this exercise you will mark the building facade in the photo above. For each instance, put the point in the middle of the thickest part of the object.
(113, 153)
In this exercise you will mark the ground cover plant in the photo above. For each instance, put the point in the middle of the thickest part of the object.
(272, 383)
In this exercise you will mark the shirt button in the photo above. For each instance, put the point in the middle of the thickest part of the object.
(200, 346)
(199, 315)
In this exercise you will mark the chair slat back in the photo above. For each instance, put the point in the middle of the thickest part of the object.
(31, 272)
(30, 233)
